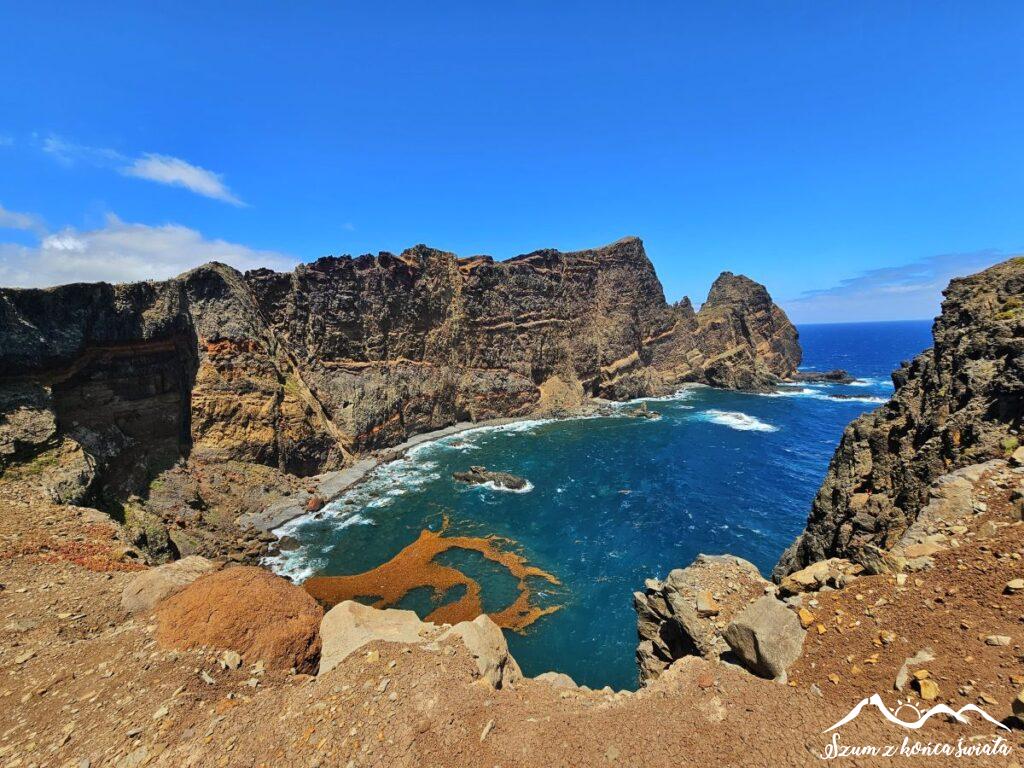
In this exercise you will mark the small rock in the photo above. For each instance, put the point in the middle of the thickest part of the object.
(928, 689)
(997, 640)
(161, 713)
(1018, 705)
(230, 660)
(706, 605)
(806, 618)
(487, 729)
(1014, 586)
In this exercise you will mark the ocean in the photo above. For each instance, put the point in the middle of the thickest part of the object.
(610, 501)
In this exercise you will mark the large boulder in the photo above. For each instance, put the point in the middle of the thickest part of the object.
(249, 610)
(766, 638)
(485, 641)
(684, 615)
(349, 626)
(150, 587)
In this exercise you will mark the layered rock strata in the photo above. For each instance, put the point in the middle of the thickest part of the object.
(957, 404)
(302, 371)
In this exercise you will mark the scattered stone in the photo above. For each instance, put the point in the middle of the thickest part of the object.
(487, 729)
(1018, 705)
(806, 618)
(928, 689)
(923, 656)
(230, 660)
(1014, 586)
(997, 640)
(706, 605)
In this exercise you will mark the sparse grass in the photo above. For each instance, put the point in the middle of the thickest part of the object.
(35, 466)
(1010, 444)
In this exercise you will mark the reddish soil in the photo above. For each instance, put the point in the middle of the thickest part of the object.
(84, 684)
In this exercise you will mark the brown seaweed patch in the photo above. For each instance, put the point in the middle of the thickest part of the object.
(414, 567)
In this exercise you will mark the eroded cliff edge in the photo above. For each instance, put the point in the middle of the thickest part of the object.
(957, 404)
(300, 372)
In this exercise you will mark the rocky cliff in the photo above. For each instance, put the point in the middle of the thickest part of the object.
(300, 371)
(957, 404)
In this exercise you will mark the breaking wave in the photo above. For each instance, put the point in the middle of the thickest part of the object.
(737, 420)
(817, 394)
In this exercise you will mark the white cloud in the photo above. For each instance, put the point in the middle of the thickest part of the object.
(123, 252)
(162, 169)
(906, 292)
(15, 220)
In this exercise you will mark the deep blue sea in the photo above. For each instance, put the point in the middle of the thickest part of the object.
(615, 500)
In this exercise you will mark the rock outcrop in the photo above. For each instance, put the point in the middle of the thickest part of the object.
(302, 371)
(349, 626)
(685, 614)
(482, 476)
(249, 611)
(957, 404)
(766, 638)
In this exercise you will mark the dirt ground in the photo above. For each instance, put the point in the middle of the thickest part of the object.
(83, 684)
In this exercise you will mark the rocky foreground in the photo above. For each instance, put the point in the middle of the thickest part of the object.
(198, 663)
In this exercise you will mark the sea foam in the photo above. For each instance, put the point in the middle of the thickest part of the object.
(737, 420)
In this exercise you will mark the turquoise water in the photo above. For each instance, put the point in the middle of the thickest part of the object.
(615, 500)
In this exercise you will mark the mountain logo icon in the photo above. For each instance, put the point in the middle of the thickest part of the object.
(920, 718)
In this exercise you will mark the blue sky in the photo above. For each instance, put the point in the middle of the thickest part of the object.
(851, 156)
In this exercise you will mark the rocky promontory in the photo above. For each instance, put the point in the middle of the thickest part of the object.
(183, 405)
(957, 404)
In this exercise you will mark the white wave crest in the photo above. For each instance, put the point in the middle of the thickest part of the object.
(296, 564)
(493, 486)
(815, 394)
(737, 420)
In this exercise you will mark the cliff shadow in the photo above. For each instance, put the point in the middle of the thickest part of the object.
(129, 406)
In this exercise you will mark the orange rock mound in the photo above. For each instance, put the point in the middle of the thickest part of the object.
(248, 610)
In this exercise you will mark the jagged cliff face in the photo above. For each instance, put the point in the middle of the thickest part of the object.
(959, 403)
(301, 370)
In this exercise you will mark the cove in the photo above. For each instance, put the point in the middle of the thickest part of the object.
(612, 501)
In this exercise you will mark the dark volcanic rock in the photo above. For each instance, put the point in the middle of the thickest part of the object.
(301, 371)
(481, 475)
(836, 376)
(956, 404)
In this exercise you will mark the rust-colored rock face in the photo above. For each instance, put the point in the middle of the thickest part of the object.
(248, 610)
(959, 403)
(301, 370)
